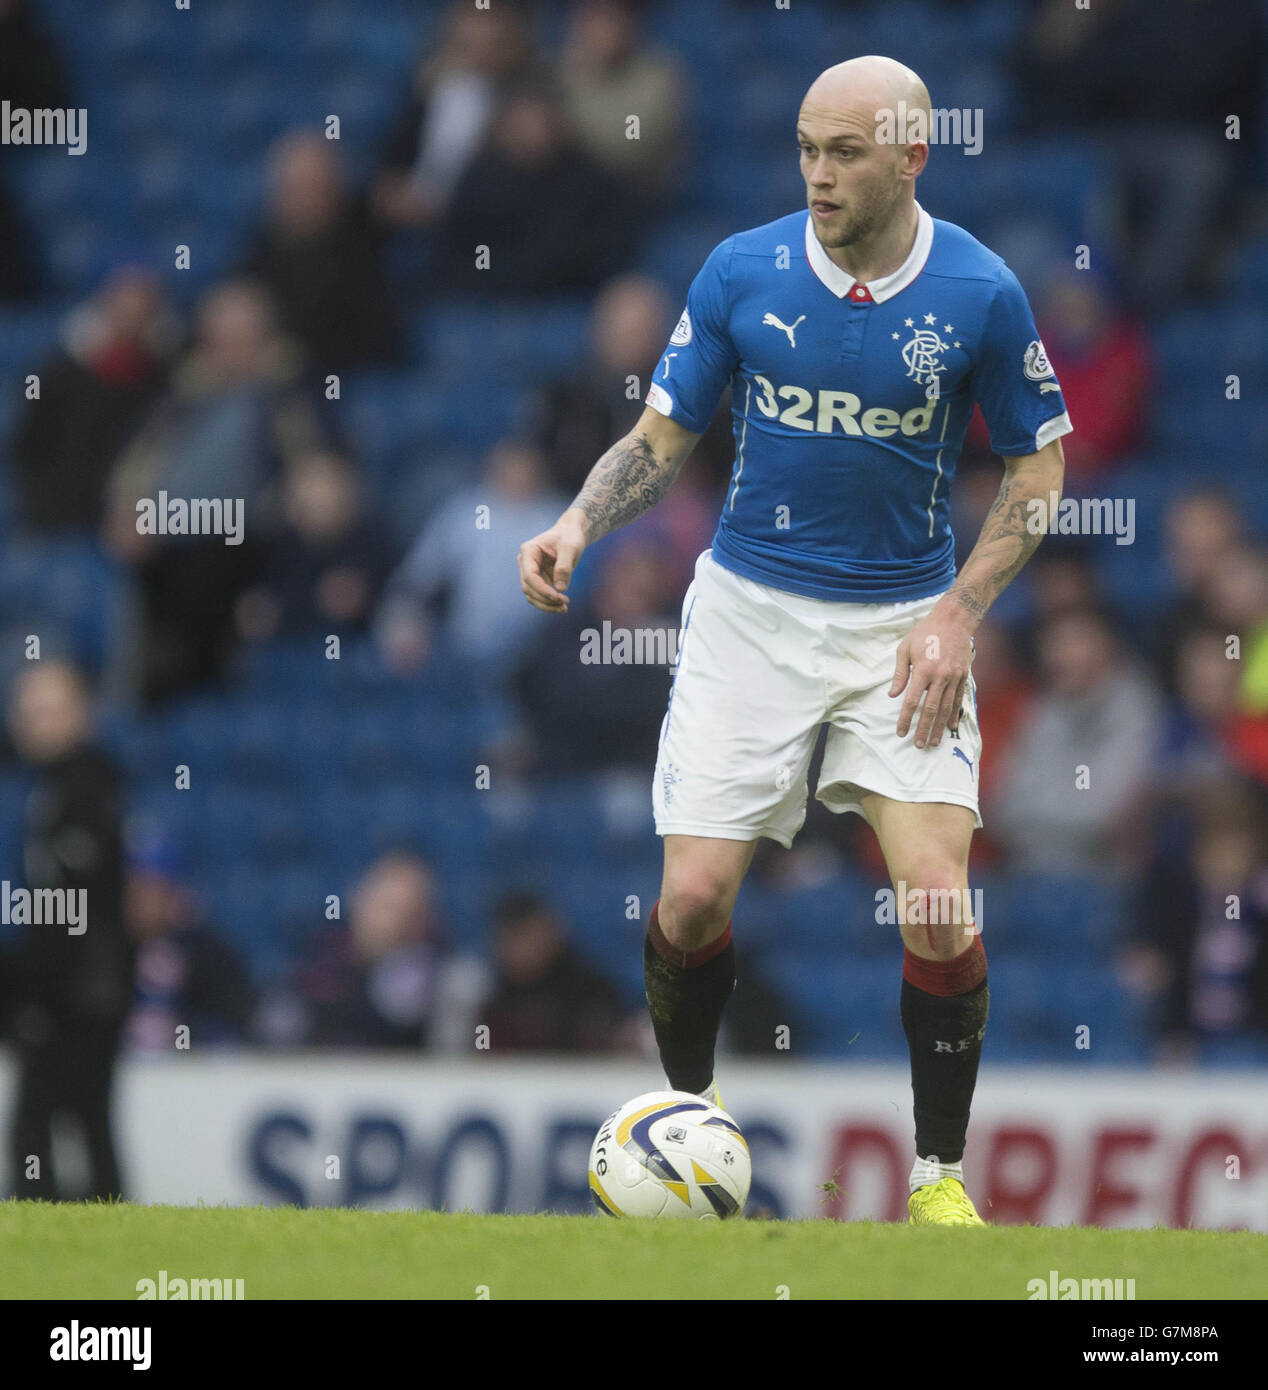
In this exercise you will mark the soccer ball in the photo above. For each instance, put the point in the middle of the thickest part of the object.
(670, 1154)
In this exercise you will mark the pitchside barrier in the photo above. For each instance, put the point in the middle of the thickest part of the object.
(1047, 1146)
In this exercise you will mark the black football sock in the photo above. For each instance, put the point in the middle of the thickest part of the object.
(686, 993)
(945, 1026)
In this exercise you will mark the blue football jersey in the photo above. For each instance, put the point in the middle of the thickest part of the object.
(850, 403)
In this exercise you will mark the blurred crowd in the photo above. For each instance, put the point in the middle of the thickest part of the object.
(501, 142)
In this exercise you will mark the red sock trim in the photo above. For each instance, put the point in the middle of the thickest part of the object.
(685, 960)
(947, 977)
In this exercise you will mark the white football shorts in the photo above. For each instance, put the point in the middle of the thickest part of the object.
(758, 671)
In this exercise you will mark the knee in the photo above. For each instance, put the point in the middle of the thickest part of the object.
(941, 911)
(694, 909)
(931, 873)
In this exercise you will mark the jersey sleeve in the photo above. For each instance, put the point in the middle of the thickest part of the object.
(700, 359)
(1013, 381)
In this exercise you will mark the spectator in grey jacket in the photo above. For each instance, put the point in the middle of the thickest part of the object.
(1081, 757)
(451, 588)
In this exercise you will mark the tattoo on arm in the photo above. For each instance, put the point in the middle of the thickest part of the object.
(1004, 546)
(626, 482)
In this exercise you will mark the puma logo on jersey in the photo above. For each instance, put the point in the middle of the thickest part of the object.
(790, 329)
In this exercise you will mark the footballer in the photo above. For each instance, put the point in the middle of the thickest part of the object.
(856, 336)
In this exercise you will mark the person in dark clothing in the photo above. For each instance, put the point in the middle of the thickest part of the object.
(544, 997)
(94, 393)
(19, 278)
(236, 412)
(318, 254)
(31, 78)
(1199, 943)
(187, 975)
(73, 986)
(1092, 75)
(328, 562)
(457, 87)
(589, 707)
(552, 220)
(576, 415)
(387, 979)
(1203, 526)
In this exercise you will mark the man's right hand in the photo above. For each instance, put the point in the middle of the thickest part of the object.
(628, 480)
(547, 562)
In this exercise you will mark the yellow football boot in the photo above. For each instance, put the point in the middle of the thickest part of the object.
(943, 1203)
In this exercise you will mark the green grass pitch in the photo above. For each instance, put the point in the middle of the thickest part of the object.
(77, 1251)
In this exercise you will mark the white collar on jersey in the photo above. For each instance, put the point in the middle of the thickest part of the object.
(889, 285)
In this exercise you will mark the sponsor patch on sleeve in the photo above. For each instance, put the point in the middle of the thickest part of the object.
(1035, 363)
(660, 399)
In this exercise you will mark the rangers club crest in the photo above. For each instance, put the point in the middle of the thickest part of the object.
(922, 354)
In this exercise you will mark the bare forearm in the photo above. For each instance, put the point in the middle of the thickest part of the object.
(1009, 536)
(626, 482)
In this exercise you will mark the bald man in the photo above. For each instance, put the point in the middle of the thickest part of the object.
(73, 987)
(856, 337)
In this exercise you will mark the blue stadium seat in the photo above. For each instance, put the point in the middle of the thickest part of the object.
(64, 589)
(1250, 273)
(375, 39)
(1063, 187)
(1038, 1011)
(1234, 1053)
(1022, 1022)
(1136, 575)
(675, 255)
(772, 188)
(470, 343)
(836, 919)
(1064, 918)
(848, 1009)
(1183, 341)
